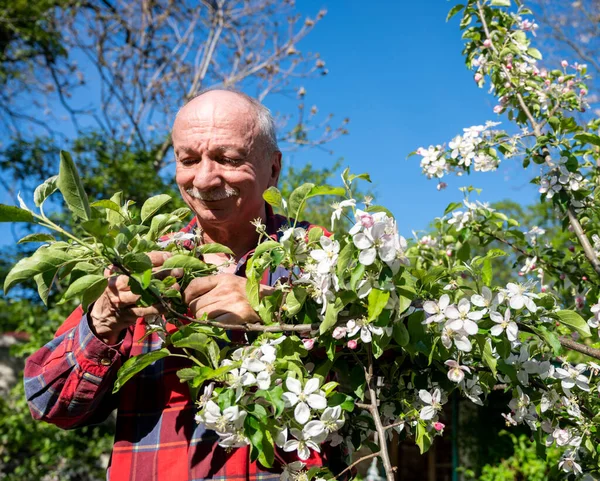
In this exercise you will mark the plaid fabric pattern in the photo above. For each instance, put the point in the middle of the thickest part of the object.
(68, 382)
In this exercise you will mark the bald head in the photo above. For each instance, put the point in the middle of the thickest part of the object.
(240, 104)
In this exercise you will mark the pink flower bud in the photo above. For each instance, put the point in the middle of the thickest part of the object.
(352, 344)
(339, 332)
(308, 344)
(498, 109)
(564, 64)
(570, 83)
(487, 43)
(560, 79)
(547, 82)
(439, 426)
(478, 77)
(583, 92)
(544, 288)
(543, 73)
(562, 277)
(367, 220)
(572, 248)
(584, 278)
(442, 186)
(449, 252)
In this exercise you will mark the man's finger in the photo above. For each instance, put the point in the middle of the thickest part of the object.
(199, 287)
(158, 257)
(228, 318)
(121, 299)
(146, 311)
(163, 273)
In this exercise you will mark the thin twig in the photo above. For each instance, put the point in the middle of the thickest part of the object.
(358, 461)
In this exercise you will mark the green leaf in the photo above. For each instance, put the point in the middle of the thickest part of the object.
(487, 272)
(535, 53)
(136, 364)
(266, 246)
(45, 190)
(588, 138)
(185, 262)
(153, 205)
(315, 234)
(488, 357)
(400, 334)
(453, 11)
(575, 322)
(331, 314)
(109, 205)
(273, 197)
(11, 213)
(379, 208)
(500, 3)
(549, 337)
(137, 263)
(214, 248)
(92, 293)
(363, 176)
(423, 439)
(195, 340)
(295, 300)
(274, 396)
(43, 260)
(326, 190)
(36, 238)
(115, 218)
(44, 283)
(97, 227)
(344, 259)
(377, 301)
(83, 283)
(343, 400)
(452, 206)
(252, 291)
(71, 188)
(298, 198)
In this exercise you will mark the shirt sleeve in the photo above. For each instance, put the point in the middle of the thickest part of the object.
(68, 382)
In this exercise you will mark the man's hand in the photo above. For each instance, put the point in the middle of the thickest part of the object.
(115, 309)
(223, 298)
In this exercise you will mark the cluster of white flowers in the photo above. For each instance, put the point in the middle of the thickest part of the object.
(477, 211)
(559, 178)
(464, 151)
(307, 400)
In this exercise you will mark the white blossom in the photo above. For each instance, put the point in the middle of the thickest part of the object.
(504, 324)
(303, 399)
(456, 373)
(432, 401)
(572, 376)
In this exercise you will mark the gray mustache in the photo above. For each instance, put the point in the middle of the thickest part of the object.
(213, 195)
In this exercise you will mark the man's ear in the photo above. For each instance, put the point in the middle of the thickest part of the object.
(275, 168)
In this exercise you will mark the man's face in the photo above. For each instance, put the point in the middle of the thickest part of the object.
(222, 164)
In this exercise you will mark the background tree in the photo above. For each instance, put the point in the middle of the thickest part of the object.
(104, 80)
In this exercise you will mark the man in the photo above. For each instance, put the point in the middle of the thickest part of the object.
(226, 157)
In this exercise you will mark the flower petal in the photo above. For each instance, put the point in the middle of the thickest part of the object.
(302, 412)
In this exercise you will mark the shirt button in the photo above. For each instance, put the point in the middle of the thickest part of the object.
(105, 361)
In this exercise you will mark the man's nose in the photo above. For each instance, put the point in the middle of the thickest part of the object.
(208, 175)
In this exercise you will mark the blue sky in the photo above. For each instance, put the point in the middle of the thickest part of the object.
(396, 70)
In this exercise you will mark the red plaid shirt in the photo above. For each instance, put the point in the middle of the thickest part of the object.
(69, 381)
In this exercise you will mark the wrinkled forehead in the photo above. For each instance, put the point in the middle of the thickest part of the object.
(229, 114)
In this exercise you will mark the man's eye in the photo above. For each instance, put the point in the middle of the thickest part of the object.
(187, 162)
(232, 161)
